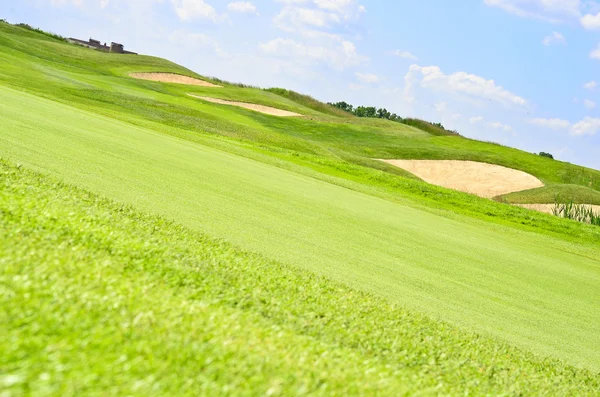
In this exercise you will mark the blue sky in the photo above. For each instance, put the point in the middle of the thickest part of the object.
(524, 73)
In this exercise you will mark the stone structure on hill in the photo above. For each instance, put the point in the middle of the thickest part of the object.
(114, 48)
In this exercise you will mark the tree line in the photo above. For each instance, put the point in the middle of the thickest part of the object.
(375, 113)
(366, 111)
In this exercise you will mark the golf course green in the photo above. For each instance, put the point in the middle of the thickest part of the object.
(228, 240)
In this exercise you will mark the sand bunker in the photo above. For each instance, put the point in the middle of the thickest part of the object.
(172, 78)
(257, 108)
(482, 179)
(548, 208)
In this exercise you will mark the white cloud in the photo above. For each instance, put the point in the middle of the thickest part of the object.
(320, 14)
(553, 124)
(554, 38)
(347, 8)
(197, 41)
(590, 85)
(591, 22)
(404, 55)
(499, 126)
(242, 7)
(339, 56)
(462, 83)
(188, 10)
(292, 18)
(589, 104)
(476, 120)
(587, 126)
(367, 78)
(441, 107)
(549, 10)
(595, 54)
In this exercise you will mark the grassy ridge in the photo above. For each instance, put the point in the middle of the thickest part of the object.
(86, 78)
(99, 298)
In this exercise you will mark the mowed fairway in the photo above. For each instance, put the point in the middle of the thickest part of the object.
(531, 290)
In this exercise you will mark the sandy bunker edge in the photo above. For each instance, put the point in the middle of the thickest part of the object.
(172, 78)
(250, 106)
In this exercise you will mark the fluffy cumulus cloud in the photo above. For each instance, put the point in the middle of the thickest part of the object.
(590, 85)
(188, 10)
(591, 21)
(314, 35)
(460, 83)
(587, 126)
(548, 10)
(317, 14)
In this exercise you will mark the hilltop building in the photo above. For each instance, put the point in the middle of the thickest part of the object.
(114, 48)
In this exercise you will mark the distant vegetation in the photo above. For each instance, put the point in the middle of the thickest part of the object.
(375, 113)
(544, 154)
(366, 111)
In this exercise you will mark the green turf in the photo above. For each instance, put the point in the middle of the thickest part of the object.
(304, 192)
(553, 193)
(91, 79)
(492, 279)
(99, 299)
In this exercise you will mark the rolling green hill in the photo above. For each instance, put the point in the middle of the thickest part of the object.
(153, 242)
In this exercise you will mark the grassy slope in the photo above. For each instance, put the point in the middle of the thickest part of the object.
(550, 194)
(87, 78)
(159, 176)
(118, 303)
(453, 269)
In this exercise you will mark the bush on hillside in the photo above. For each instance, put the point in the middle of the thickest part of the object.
(548, 155)
(366, 111)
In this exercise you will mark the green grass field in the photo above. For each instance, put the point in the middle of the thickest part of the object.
(152, 242)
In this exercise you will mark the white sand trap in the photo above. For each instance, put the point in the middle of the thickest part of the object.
(172, 78)
(548, 208)
(482, 179)
(251, 106)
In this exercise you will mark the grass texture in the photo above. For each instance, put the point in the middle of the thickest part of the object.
(100, 299)
(465, 272)
(156, 244)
